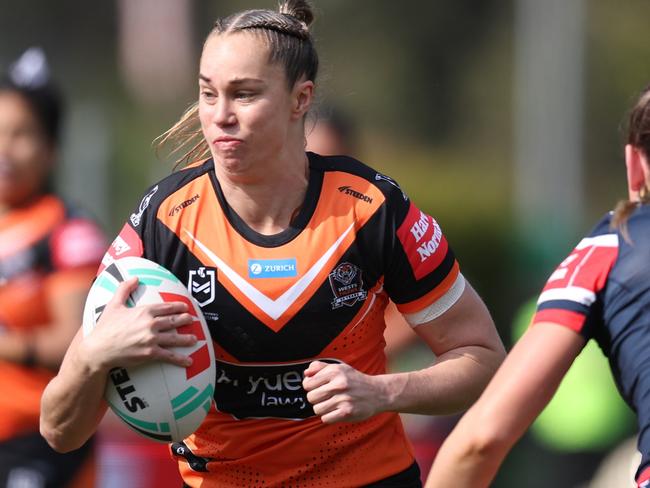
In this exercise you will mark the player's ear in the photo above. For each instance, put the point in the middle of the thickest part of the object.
(637, 170)
(302, 96)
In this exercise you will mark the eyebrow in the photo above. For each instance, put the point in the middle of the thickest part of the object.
(236, 81)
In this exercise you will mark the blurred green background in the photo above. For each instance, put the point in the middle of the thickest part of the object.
(435, 91)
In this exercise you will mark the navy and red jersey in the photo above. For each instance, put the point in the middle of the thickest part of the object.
(274, 303)
(602, 291)
(47, 249)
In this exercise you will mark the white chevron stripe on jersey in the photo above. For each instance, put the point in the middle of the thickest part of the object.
(571, 293)
(273, 308)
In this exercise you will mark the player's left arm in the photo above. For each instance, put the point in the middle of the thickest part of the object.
(468, 350)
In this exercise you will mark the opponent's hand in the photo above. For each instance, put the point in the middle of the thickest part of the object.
(126, 336)
(340, 393)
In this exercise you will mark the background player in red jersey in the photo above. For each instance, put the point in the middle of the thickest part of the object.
(48, 256)
(600, 291)
(293, 257)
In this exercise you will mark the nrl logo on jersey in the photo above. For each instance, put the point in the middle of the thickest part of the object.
(137, 217)
(201, 283)
(347, 285)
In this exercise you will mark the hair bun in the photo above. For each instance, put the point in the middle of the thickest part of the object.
(299, 9)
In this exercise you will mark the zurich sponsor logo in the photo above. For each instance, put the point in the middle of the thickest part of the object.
(272, 268)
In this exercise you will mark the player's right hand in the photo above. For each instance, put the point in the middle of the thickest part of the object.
(126, 336)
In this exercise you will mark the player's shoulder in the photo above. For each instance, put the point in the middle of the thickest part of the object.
(351, 166)
(639, 221)
(155, 194)
(602, 227)
(602, 234)
(77, 240)
(634, 257)
(181, 177)
(606, 233)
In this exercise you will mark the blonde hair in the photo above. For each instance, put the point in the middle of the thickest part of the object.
(186, 138)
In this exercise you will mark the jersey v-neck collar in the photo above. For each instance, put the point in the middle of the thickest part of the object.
(297, 224)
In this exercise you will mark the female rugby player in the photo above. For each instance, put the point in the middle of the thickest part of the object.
(293, 257)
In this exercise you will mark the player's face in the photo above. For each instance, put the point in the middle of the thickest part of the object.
(246, 108)
(25, 153)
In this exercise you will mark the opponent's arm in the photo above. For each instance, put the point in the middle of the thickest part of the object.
(468, 352)
(525, 383)
(72, 404)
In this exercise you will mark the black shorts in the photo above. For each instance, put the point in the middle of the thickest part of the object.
(28, 461)
(409, 478)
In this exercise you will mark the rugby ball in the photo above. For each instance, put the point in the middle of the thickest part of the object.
(159, 400)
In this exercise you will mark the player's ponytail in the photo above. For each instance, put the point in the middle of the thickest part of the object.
(638, 135)
(186, 138)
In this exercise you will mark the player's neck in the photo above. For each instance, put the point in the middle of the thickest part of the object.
(268, 203)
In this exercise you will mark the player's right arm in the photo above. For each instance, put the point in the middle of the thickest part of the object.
(566, 312)
(522, 387)
(73, 402)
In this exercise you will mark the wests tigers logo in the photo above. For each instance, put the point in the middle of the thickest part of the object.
(347, 285)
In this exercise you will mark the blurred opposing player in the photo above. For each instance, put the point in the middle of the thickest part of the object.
(601, 291)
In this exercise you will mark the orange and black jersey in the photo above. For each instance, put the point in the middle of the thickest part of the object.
(275, 303)
(47, 248)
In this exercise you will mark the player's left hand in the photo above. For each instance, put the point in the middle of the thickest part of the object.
(340, 393)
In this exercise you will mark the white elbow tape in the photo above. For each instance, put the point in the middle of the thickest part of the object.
(440, 306)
